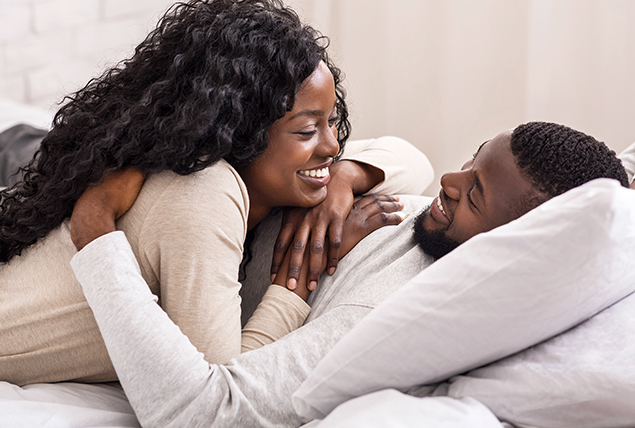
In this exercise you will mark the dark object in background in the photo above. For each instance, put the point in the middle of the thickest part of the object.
(17, 146)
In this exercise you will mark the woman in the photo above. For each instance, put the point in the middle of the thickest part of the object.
(231, 108)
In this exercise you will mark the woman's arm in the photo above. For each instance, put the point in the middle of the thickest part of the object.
(406, 170)
(190, 241)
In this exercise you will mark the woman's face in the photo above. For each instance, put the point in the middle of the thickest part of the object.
(294, 169)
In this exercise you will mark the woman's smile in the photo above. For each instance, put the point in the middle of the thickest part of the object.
(294, 170)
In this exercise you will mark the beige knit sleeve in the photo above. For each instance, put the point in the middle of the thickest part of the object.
(406, 169)
(279, 313)
(192, 242)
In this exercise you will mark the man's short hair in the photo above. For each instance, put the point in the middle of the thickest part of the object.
(556, 158)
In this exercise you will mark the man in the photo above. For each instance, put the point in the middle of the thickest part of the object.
(169, 383)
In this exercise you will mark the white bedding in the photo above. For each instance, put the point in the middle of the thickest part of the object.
(64, 405)
(392, 409)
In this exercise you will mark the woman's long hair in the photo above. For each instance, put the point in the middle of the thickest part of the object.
(205, 85)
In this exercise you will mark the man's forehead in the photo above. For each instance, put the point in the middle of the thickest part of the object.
(480, 147)
(499, 174)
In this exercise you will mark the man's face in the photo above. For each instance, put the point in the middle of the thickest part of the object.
(485, 194)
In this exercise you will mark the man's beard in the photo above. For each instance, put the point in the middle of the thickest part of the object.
(433, 242)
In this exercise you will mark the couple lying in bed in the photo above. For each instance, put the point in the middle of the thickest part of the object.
(187, 232)
(153, 358)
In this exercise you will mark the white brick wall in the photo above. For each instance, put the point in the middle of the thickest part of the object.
(49, 48)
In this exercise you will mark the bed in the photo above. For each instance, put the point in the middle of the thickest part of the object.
(532, 378)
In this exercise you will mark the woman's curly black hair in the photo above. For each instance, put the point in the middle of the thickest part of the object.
(556, 158)
(205, 85)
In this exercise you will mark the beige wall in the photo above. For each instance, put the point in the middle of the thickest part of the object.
(49, 48)
(445, 74)
(450, 74)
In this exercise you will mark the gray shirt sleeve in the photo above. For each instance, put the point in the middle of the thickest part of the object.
(155, 360)
(169, 383)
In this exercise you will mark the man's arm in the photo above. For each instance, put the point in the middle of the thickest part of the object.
(166, 379)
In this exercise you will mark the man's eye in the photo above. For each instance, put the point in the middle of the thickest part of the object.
(469, 198)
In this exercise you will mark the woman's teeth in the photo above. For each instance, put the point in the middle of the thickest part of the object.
(318, 173)
(441, 206)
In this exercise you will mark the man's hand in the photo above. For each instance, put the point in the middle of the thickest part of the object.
(101, 204)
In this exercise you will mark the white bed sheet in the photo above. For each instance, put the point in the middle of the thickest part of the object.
(65, 405)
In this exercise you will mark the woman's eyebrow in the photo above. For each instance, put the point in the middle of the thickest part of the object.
(313, 113)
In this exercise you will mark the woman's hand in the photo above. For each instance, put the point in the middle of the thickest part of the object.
(301, 285)
(367, 215)
(301, 226)
(101, 204)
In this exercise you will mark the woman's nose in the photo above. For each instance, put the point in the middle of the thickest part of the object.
(329, 146)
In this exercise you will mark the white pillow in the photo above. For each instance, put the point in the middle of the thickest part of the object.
(628, 160)
(584, 378)
(391, 409)
(495, 295)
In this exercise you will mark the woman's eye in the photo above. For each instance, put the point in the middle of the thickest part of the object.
(307, 133)
(333, 121)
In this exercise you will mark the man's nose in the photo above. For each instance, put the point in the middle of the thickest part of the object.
(455, 183)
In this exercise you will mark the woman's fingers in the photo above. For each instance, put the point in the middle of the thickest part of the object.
(287, 231)
(297, 255)
(316, 254)
(380, 211)
(373, 204)
(335, 245)
(369, 214)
